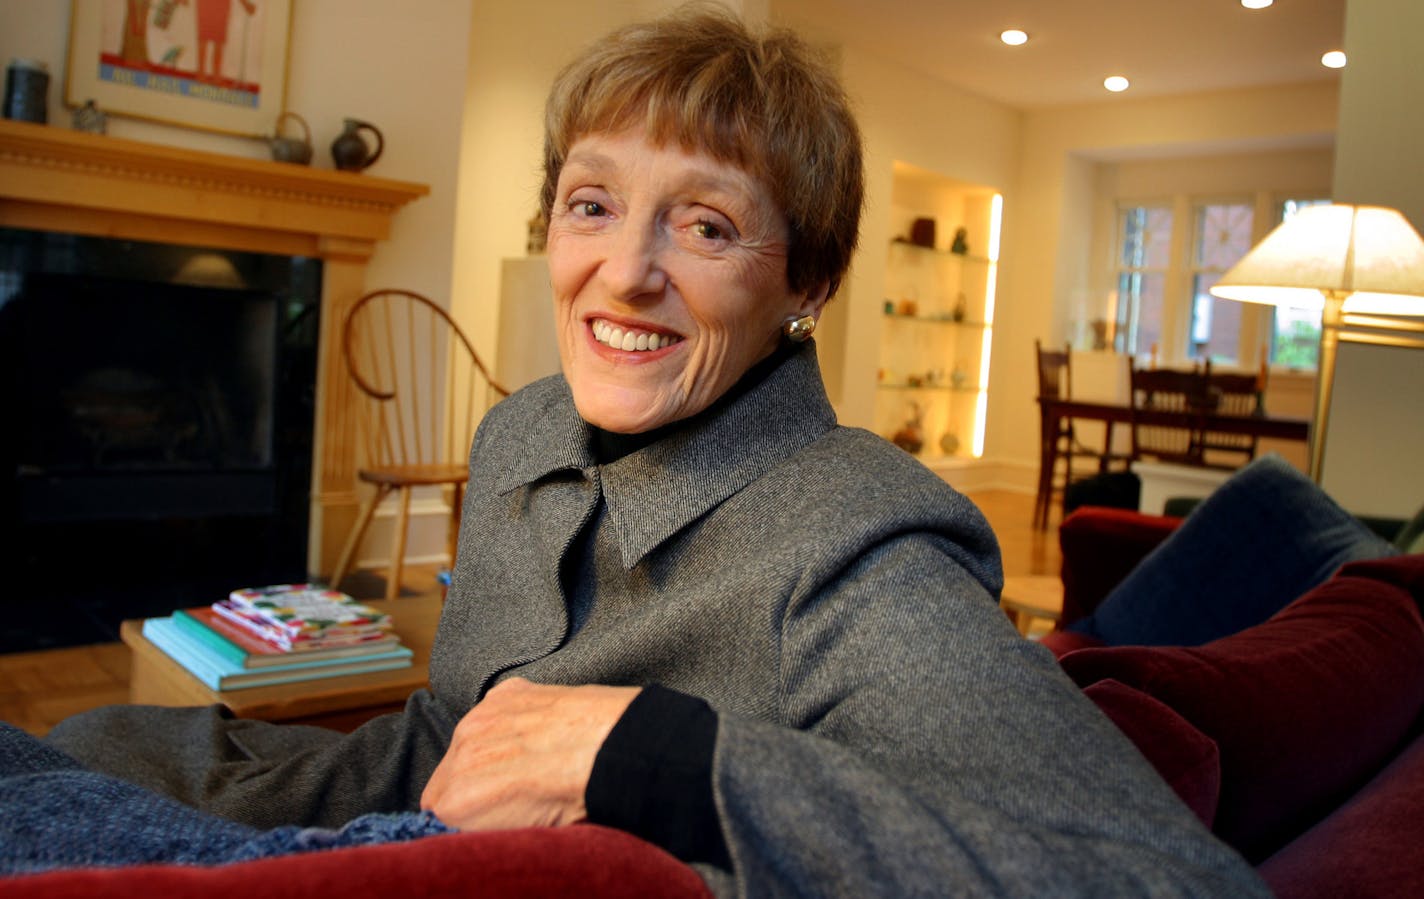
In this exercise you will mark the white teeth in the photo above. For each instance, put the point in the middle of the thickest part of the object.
(630, 341)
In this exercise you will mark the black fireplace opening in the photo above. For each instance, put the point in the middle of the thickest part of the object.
(158, 452)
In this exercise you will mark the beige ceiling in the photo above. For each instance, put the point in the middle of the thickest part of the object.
(1163, 46)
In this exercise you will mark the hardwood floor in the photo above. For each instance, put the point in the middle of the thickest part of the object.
(39, 689)
(1025, 550)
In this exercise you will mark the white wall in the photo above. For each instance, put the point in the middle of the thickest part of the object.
(1369, 468)
(905, 117)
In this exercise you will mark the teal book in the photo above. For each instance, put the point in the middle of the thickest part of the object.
(217, 672)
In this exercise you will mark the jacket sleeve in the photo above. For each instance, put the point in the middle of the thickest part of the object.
(924, 748)
(262, 774)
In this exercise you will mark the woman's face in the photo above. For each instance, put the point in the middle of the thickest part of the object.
(669, 278)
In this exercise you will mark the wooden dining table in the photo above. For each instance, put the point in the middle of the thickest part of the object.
(1268, 426)
(1199, 420)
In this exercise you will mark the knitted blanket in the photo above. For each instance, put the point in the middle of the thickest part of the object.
(55, 814)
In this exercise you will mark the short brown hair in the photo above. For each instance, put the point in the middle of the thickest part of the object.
(764, 103)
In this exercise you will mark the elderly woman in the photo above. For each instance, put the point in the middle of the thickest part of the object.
(687, 603)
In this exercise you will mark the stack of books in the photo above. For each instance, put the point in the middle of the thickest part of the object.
(274, 635)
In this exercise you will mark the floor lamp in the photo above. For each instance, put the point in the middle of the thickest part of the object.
(1361, 266)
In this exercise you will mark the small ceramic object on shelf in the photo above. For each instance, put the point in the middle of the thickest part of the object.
(922, 233)
(349, 150)
(961, 242)
(949, 443)
(291, 149)
(959, 377)
(911, 437)
(961, 307)
(90, 118)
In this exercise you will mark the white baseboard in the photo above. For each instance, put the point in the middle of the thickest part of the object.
(971, 475)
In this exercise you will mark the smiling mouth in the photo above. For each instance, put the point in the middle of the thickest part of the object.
(630, 339)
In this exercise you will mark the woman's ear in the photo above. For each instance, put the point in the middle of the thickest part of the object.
(815, 300)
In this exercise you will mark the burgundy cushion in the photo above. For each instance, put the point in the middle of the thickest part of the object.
(1367, 847)
(1060, 643)
(1185, 757)
(537, 862)
(1100, 546)
(1304, 707)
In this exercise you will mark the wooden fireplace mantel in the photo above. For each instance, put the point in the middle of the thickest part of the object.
(54, 179)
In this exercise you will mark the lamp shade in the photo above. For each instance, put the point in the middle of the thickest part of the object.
(1370, 255)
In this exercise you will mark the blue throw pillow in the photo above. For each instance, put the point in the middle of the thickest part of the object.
(1264, 537)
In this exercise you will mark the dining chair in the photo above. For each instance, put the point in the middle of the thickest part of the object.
(1234, 393)
(421, 392)
(1168, 390)
(1058, 441)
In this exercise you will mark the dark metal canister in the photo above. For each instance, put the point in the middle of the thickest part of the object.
(26, 91)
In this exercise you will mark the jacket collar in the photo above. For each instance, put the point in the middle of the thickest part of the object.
(658, 490)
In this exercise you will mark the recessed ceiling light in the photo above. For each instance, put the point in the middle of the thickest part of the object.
(1335, 59)
(1115, 83)
(1257, 4)
(1013, 37)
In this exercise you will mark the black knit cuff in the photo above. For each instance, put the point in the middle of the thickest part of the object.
(653, 776)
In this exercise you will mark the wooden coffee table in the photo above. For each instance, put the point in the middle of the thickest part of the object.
(343, 703)
(1031, 597)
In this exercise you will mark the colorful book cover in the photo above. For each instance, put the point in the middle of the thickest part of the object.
(310, 611)
(263, 627)
(252, 650)
(218, 673)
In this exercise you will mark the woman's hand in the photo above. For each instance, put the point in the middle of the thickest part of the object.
(522, 756)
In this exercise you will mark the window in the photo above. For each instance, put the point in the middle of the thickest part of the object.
(1222, 236)
(1164, 307)
(1146, 233)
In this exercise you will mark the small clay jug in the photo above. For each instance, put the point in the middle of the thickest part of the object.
(291, 149)
(350, 152)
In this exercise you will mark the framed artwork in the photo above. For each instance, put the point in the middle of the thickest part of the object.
(217, 65)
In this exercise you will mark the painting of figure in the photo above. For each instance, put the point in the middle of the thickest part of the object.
(209, 49)
(141, 55)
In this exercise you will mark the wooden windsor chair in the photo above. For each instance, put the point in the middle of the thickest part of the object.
(422, 391)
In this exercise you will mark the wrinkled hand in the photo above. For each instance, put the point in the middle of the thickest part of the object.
(522, 757)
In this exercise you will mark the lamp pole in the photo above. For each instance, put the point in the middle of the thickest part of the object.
(1331, 320)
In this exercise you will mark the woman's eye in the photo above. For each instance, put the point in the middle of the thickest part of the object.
(708, 230)
(588, 208)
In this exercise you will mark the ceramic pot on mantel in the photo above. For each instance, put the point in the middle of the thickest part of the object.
(350, 152)
(291, 149)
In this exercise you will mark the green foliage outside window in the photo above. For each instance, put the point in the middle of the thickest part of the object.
(1297, 345)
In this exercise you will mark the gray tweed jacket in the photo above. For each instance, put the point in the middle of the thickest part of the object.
(883, 729)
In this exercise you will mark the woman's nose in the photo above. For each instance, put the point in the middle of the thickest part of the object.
(633, 266)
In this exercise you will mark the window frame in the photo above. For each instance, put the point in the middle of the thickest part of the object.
(1256, 339)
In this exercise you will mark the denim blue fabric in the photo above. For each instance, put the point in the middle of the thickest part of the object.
(1264, 537)
(54, 814)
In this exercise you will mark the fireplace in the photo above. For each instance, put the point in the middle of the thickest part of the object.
(159, 444)
(77, 185)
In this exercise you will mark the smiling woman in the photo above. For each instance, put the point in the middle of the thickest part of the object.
(669, 277)
(687, 603)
